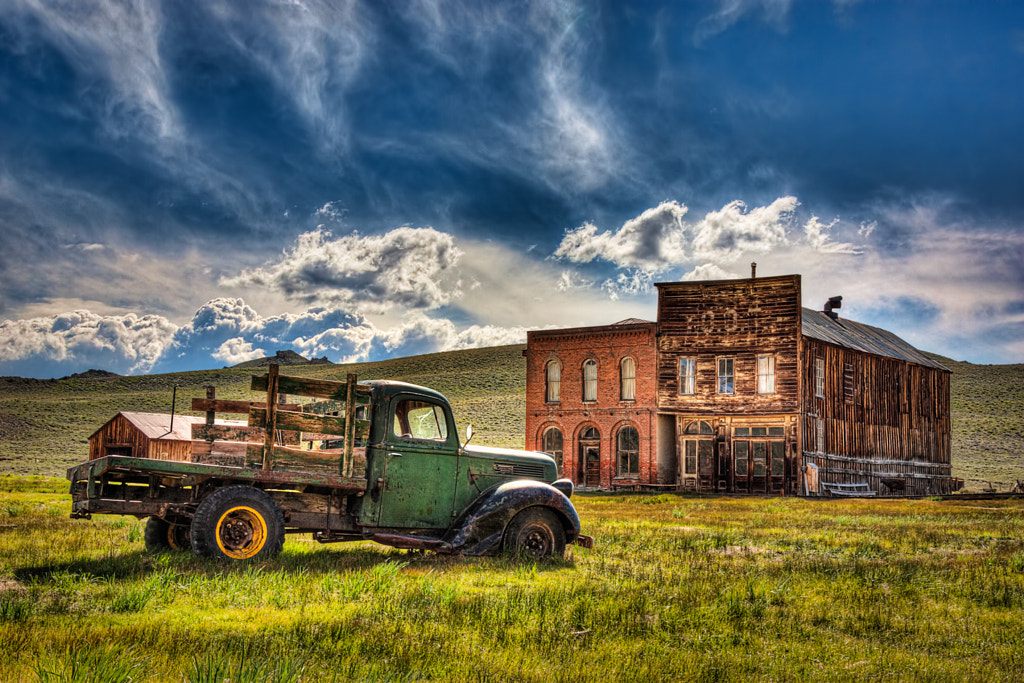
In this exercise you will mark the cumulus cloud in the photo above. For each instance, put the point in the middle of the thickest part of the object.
(651, 241)
(77, 340)
(818, 237)
(709, 271)
(237, 350)
(408, 267)
(728, 234)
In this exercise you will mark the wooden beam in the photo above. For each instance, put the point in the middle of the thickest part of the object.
(271, 419)
(305, 422)
(200, 405)
(226, 433)
(314, 388)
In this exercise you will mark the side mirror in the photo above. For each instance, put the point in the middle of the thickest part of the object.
(469, 435)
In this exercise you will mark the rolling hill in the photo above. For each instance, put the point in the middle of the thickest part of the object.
(45, 424)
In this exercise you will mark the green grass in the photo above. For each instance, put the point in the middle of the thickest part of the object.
(678, 587)
(45, 424)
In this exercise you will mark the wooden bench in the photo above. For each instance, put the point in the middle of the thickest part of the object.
(851, 490)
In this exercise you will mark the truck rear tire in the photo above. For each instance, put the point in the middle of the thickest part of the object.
(238, 523)
(162, 535)
(535, 533)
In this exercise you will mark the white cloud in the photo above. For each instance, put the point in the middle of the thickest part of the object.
(817, 234)
(633, 282)
(406, 267)
(709, 271)
(728, 234)
(653, 240)
(237, 350)
(124, 344)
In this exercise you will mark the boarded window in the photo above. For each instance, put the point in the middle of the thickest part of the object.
(725, 376)
(766, 374)
(819, 377)
(590, 381)
(553, 381)
(551, 443)
(849, 383)
(628, 451)
(627, 379)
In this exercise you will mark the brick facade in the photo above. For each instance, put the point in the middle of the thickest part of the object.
(608, 414)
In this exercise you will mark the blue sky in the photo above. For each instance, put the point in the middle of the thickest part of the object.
(187, 185)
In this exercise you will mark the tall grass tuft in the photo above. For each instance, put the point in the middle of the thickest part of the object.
(98, 664)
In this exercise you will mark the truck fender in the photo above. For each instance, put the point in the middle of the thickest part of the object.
(479, 530)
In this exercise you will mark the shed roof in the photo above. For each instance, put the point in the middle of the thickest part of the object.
(158, 425)
(860, 337)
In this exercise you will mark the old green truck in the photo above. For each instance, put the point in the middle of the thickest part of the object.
(390, 468)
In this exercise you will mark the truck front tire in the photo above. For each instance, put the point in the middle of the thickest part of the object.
(161, 535)
(535, 533)
(238, 523)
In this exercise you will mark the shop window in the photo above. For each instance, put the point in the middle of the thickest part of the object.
(628, 452)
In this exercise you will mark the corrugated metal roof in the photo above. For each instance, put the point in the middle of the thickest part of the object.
(861, 337)
(158, 425)
(634, 321)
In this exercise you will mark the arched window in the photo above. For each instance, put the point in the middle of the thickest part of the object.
(628, 452)
(590, 434)
(551, 443)
(627, 379)
(698, 428)
(590, 380)
(553, 382)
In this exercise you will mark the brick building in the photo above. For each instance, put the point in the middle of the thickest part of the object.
(738, 388)
(591, 401)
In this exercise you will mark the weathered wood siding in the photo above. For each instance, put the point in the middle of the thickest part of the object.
(883, 418)
(119, 432)
(738, 319)
(167, 449)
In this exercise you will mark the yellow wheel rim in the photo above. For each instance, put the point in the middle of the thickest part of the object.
(241, 532)
(172, 541)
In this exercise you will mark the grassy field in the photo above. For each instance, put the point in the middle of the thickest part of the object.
(45, 424)
(678, 587)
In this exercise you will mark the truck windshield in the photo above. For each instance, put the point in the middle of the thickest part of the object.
(420, 420)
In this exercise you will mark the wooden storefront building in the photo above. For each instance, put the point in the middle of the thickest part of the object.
(754, 393)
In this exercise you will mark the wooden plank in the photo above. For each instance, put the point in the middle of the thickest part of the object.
(283, 458)
(350, 422)
(305, 422)
(200, 405)
(314, 388)
(226, 433)
(271, 418)
(324, 407)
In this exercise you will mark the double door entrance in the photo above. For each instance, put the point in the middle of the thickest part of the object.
(741, 459)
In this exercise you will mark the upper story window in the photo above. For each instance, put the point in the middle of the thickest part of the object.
(726, 378)
(590, 380)
(627, 379)
(766, 374)
(849, 383)
(819, 377)
(687, 376)
(420, 420)
(553, 382)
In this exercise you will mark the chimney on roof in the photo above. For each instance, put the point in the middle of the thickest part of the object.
(833, 302)
(753, 269)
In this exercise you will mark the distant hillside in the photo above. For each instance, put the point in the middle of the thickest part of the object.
(987, 405)
(45, 424)
(287, 357)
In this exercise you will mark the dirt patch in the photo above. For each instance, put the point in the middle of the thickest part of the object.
(11, 426)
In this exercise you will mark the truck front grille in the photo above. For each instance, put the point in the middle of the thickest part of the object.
(519, 470)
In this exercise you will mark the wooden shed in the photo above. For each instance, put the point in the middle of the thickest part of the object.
(152, 435)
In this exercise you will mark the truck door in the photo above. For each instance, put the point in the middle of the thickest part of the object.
(421, 462)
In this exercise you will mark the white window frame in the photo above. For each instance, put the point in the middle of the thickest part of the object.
(819, 377)
(627, 379)
(687, 376)
(766, 374)
(590, 381)
(553, 382)
(731, 375)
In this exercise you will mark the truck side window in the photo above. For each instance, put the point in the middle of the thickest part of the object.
(420, 420)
